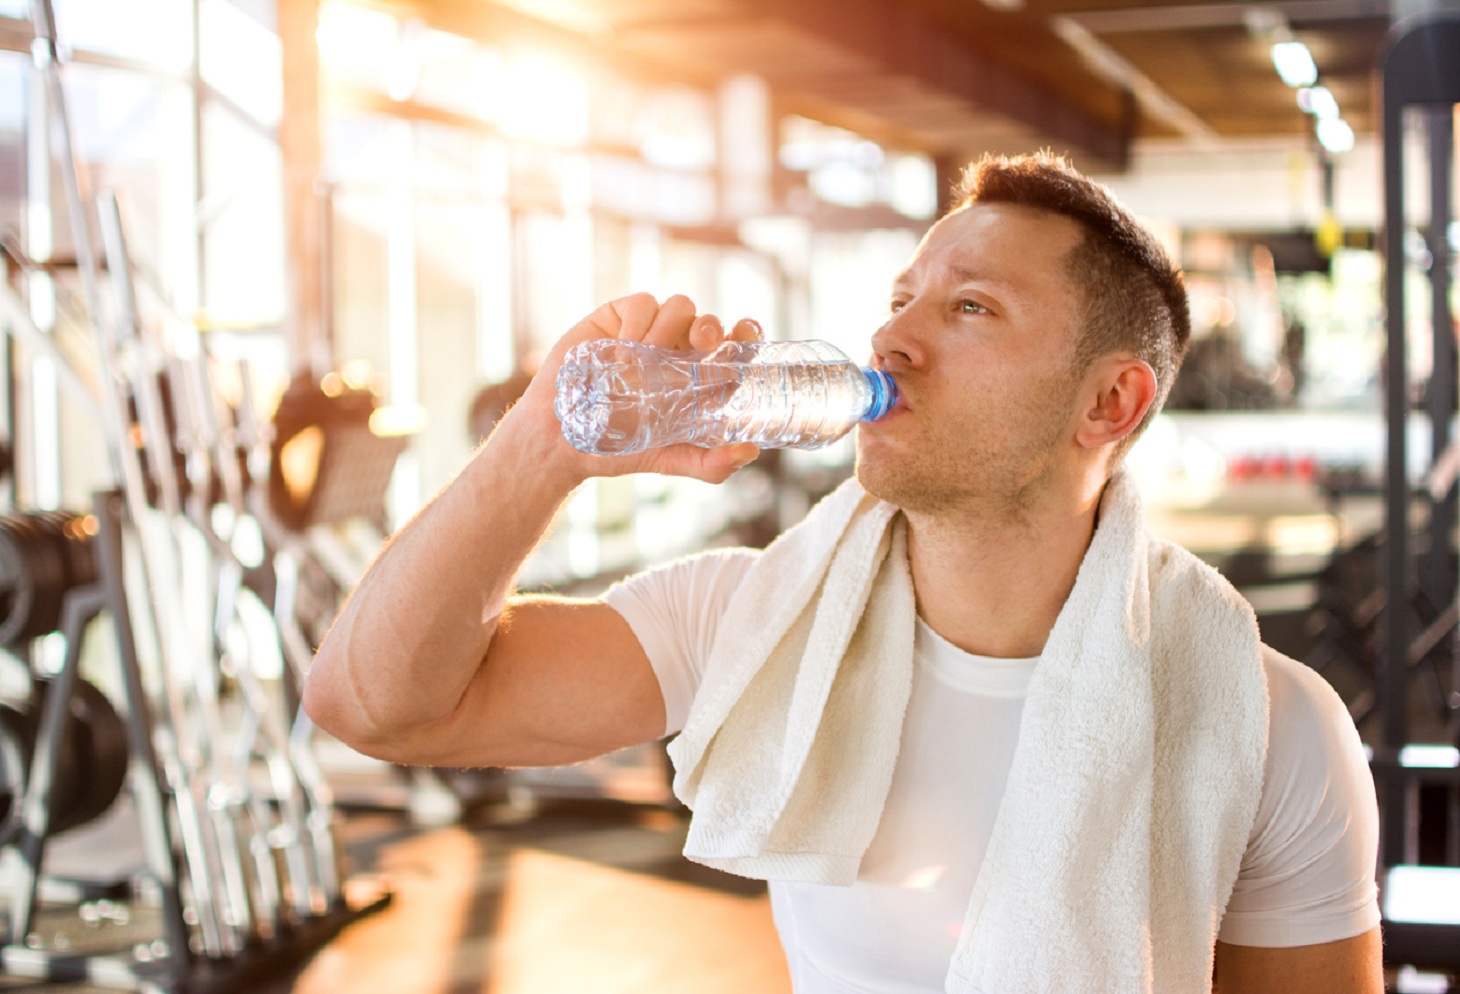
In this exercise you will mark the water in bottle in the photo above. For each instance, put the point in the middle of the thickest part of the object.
(616, 396)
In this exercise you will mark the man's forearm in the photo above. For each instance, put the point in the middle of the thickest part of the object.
(412, 635)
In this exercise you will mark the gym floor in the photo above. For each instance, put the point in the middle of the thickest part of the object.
(535, 887)
(579, 897)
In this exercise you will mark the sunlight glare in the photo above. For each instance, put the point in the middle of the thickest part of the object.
(546, 101)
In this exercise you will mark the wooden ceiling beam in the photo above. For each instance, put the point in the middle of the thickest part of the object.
(908, 45)
(1163, 16)
(893, 37)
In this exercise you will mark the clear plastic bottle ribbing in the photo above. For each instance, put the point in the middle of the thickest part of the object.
(617, 396)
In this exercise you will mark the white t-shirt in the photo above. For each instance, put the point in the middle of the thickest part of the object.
(1307, 876)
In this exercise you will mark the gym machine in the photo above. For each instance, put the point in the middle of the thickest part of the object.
(241, 871)
(1419, 73)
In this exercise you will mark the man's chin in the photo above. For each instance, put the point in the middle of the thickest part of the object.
(903, 486)
(879, 481)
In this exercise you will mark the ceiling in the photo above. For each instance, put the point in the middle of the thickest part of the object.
(956, 78)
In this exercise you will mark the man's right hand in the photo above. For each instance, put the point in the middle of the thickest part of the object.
(673, 324)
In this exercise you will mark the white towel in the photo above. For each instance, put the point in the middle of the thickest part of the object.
(1134, 784)
(787, 764)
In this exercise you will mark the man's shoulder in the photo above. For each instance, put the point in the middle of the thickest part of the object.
(723, 561)
(719, 567)
(1311, 735)
(1299, 693)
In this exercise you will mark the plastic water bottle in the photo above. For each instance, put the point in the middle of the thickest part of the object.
(617, 396)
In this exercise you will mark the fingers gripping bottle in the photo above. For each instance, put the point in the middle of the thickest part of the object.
(617, 396)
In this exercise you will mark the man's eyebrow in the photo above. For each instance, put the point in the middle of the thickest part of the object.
(962, 274)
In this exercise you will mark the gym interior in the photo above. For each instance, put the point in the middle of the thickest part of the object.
(273, 269)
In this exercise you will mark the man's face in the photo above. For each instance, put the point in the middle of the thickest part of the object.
(980, 341)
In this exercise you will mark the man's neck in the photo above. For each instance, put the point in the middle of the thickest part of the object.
(994, 585)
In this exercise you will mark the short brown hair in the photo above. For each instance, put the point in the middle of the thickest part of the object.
(1135, 298)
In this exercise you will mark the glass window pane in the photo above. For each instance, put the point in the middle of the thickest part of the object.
(242, 59)
(556, 254)
(355, 44)
(746, 287)
(547, 100)
(124, 125)
(447, 71)
(912, 185)
(675, 128)
(691, 268)
(841, 167)
(451, 254)
(617, 106)
(243, 222)
(448, 163)
(628, 186)
(358, 149)
(153, 31)
(851, 280)
(361, 298)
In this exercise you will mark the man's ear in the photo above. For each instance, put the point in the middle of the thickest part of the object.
(1124, 388)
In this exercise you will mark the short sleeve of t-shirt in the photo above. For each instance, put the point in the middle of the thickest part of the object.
(675, 611)
(1308, 873)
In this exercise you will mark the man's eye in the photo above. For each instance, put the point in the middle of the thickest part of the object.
(971, 307)
(896, 306)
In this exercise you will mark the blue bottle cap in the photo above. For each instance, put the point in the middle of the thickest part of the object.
(884, 393)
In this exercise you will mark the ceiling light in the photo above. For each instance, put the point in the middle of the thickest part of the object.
(1335, 135)
(1294, 63)
(1318, 101)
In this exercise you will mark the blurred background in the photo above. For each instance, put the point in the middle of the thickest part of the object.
(425, 196)
(353, 227)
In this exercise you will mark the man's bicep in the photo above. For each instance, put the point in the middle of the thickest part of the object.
(1348, 966)
(563, 681)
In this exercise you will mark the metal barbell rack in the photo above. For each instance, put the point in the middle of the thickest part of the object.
(235, 816)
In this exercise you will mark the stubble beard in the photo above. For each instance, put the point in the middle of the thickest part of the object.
(959, 468)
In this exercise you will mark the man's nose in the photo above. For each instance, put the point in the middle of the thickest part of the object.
(898, 344)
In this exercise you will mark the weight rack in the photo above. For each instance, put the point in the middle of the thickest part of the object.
(235, 818)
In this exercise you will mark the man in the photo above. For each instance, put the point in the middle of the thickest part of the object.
(974, 741)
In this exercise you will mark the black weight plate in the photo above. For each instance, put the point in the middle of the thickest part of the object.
(17, 583)
(99, 736)
(46, 564)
